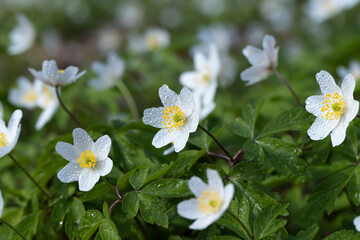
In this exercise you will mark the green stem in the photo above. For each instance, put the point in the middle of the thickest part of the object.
(29, 176)
(57, 90)
(111, 187)
(288, 86)
(129, 99)
(241, 223)
(13, 228)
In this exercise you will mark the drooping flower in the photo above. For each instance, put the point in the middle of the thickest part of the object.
(263, 61)
(108, 73)
(22, 36)
(356, 223)
(354, 69)
(334, 110)
(9, 135)
(27, 93)
(177, 119)
(211, 200)
(1, 204)
(87, 160)
(51, 75)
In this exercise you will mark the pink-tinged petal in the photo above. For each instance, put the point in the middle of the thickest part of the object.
(256, 56)
(327, 83)
(182, 138)
(255, 74)
(102, 147)
(186, 101)
(321, 128)
(197, 186)
(214, 181)
(164, 137)
(269, 48)
(104, 167)
(154, 117)
(314, 105)
(339, 133)
(189, 209)
(82, 140)
(167, 96)
(87, 180)
(70, 173)
(67, 151)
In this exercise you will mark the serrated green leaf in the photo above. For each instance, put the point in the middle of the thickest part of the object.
(108, 230)
(232, 223)
(72, 220)
(307, 234)
(349, 147)
(247, 171)
(183, 163)
(27, 226)
(244, 126)
(224, 238)
(283, 156)
(130, 204)
(58, 214)
(253, 151)
(157, 172)
(139, 176)
(97, 191)
(89, 223)
(153, 210)
(168, 188)
(294, 119)
(344, 235)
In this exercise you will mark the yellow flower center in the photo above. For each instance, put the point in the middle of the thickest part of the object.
(209, 202)
(333, 106)
(204, 76)
(30, 96)
(173, 118)
(87, 159)
(152, 42)
(61, 71)
(3, 141)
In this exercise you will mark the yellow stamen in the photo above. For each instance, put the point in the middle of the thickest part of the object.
(173, 118)
(30, 96)
(3, 141)
(209, 202)
(152, 42)
(333, 106)
(204, 76)
(87, 159)
(61, 71)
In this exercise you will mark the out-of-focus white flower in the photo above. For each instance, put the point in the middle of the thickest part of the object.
(108, 39)
(9, 135)
(177, 119)
(170, 17)
(1, 204)
(51, 75)
(279, 13)
(87, 160)
(211, 7)
(49, 102)
(354, 69)
(221, 35)
(107, 73)
(130, 14)
(334, 110)
(211, 200)
(263, 61)
(153, 39)
(356, 222)
(27, 93)
(321, 10)
(22, 36)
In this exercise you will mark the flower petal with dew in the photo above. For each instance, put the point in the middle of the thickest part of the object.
(1, 204)
(176, 119)
(87, 160)
(334, 110)
(27, 93)
(22, 36)
(107, 73)
(211, 200)
(9, 135)
(263, 61)
(51, 75)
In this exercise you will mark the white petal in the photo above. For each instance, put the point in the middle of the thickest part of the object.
(1, 204)
(255, 74)
(192, 121)
(14, 121)
(169, 150)
(321, 128)
(163, 137)
(352, 110)
(50, 72)
(186, 101)
(70, 173)
(68, 76)
(204, 222)
(339, 133)
(199, 60)
(214, 181)
(99, 84)
(256, 56)
(228, 196)
(314, 105)
(187, 79)
(214, 59)
(82, 140)
(189, 209)
(167, 96)
(357, 223)
(98, 67)
(37, 74)
(348, 87)
(327, 83)
(182, 138)
(154, 117)
(46, 115)
(197, 186)
(102, 147)
(104, 167)
(67, 151)
(270, 50)
(87, 180)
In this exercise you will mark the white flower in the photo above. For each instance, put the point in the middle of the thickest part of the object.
(334, 110)
(9, 135)
(153, 39)
(22, 36)
(356, 222)
(177, 119)
(262, 61)
(130, 14)
(211, 200)
(27, 94)
(49, 102)
(108, 73)
(88, 160)
(221, 35)
(1, 204)
(51, 75)
(354, 69)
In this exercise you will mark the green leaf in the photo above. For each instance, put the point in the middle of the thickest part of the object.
(128, 228)
(72, 220)
(168, 188)
(224, 238)
(95, 192)
(266, 222)
(354, 186)
(344, 235)
(244, 126)
(108, 230)
(137, 179)
(130, 204)
(283, 156)
(153, 210)
(58, 214)
(253, 151)
(27, 226)
(324, 195)
(156, 173)
(294, 119)
(350, 145)
(106, 212)
(183, 163)
(230, 222)
(247, 171)
(307, 234)
(89, 223)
